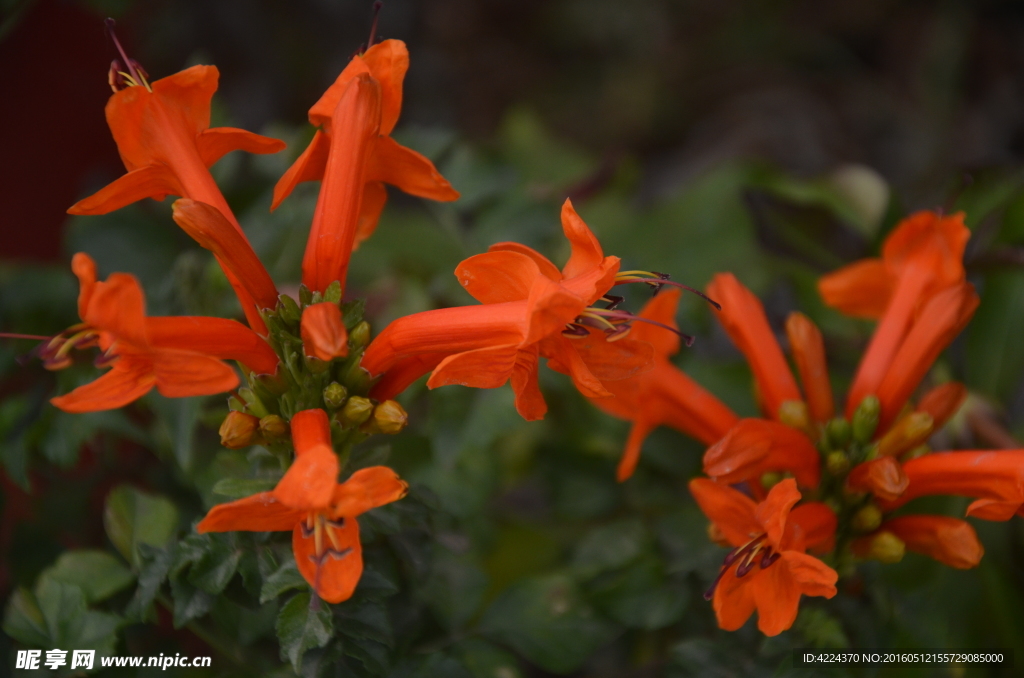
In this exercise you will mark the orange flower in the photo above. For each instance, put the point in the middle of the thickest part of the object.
(744, 320)
(921, 257)
(320, 511)
(530, 309)
(664, 395)
(323, 331)
(354, 155)
(994, 478)
(164, 137)
(756, 446)
(771, 569)
(179, 356)
(950, 541)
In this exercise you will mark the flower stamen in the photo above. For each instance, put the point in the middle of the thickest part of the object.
(117, 77)
(747, 557)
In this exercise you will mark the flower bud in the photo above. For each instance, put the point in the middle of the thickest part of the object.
(838, 432)
(906, 434)
(323, 332)
(334, 395)
(360, 335)
(238, 430)
(867, 518)
(388, 417)
(837, 462)
(794, 414)
(252, 402)
(882, 546)
(273, 427)
(770, 479)
(865, 419)
(357, 379)
(288, 310)
(356, 411)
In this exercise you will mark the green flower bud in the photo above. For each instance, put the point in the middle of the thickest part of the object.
(356, 378)
(360, 335)
(838, 433)
(770, 479)
(273, 427)
(885, 547)
(388, 417)
(335, 395)
(315, 365)
(865, 419)
(253, 403)
(794, 414)
(356, 411)
(867, 518)
(238, 430)
(837, 462)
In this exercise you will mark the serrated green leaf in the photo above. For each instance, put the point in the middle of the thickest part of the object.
(304, 623)
(69, 623)
(546, 620)
(99, 574)
(214, 569)
(154, 566)
(236, 488)
(365, 619)
(372, 655)
(285, 578)
(610, 546)
(132, 517)
(190, 602)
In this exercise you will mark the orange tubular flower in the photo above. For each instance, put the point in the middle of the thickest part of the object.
(950, 541)
(354, 155)
(922, 257)
(771, 569)
(994, 478)
(809, 354)
(530, 309)
(744, 320)
(323, 332)
(164, 137)
(755, 446)
(664, 395)
(179, 356)
(320, 511)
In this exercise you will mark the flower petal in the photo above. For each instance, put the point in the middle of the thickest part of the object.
(883, 477)
(777, 596)
(525, 384)
(148, 181)
(323, 332)
(942, 402)
(547, 269)
(180, 374)
(488, 367)
(215, 143)
(375, 196)
(259, 513)
(126, 382)
(811, 525)
(613, 360)
(335, 574)
(117, 305)
(631, 454)
(217, 337)
(367, 489)
(84, 268)
(773, 512)
(404, 168)
(403, 373)
(809, 354)
(388, 62)
(729, 509)
(997, 476)
(310, 481)
(309, 166)
(586, 250)
(861, 289)
(950, 541)
(498, 276)
(310, 428)
(563, 357)
(660, 309)
(733, 600)
(755, 446)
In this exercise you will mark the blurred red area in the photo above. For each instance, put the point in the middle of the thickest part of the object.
(53, 70)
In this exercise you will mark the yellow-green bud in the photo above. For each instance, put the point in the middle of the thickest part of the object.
(357, 379)
(865, 419)
(360, 335)
(770, 479)
(867, 519)
(273, 427)
(334, 395)
(838, 432)
(238, 430)
(837, 462)
(252, 402)
(356, 411)
(333, 293)
(388, 417)
(906, 434)
(918, 451)
(794, 414)
(886, 547)
(288, 310)
(236, 404)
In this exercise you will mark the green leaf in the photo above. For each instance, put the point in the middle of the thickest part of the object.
(285, 578)
(610, 546)
(70, 624)
(176, 425)
(641, 598)
(456, 587)
(133, 517)
(485, 660)
(373, 655)
(23, 620)
(995, 361)
(190, 602)
(304, 623)
(365, 619)
(99, 574)
(216, 566)
(236, 488)
(545, 620)
(154, 566)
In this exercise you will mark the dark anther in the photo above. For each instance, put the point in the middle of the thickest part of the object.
(768, 558)
(613, 301)
(574, 330)
(307, 532)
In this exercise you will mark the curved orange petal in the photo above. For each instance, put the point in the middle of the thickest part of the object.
(488, 367)
(613, 360)
(84, 268)
(755, 446)
(861, 289)
(941, 320)
(323, 331)
(948, 540)
(729, 509)
(550, 306)
(777, 596)
(812, 577)
(149, 181)
(117, 305)
(773, 512)
(733, 600)
(498, 276)
(388, 62)
(322, 112)
(993, 475)
(180, 374)
(525, 384)
(586, 250)
(309, 166)
(942, 402)
(547, 269)
(660, 309)
(211, 229)
(375, 196)
(995, 509)
(126, 382)
(310, 481)
(811, 525)
(631, 454)
(404, 168)
(355, 123)
(334, 574)
(367, 489)
(883, 477)
(563, 357)
(403, 373)
(745, 322)
(218, 337)
(215, 143)
(930, 240)
(259, 513)
(687, 406)
(809, 355)
(310, 428)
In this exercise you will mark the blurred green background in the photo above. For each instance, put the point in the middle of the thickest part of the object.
(774, 139)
